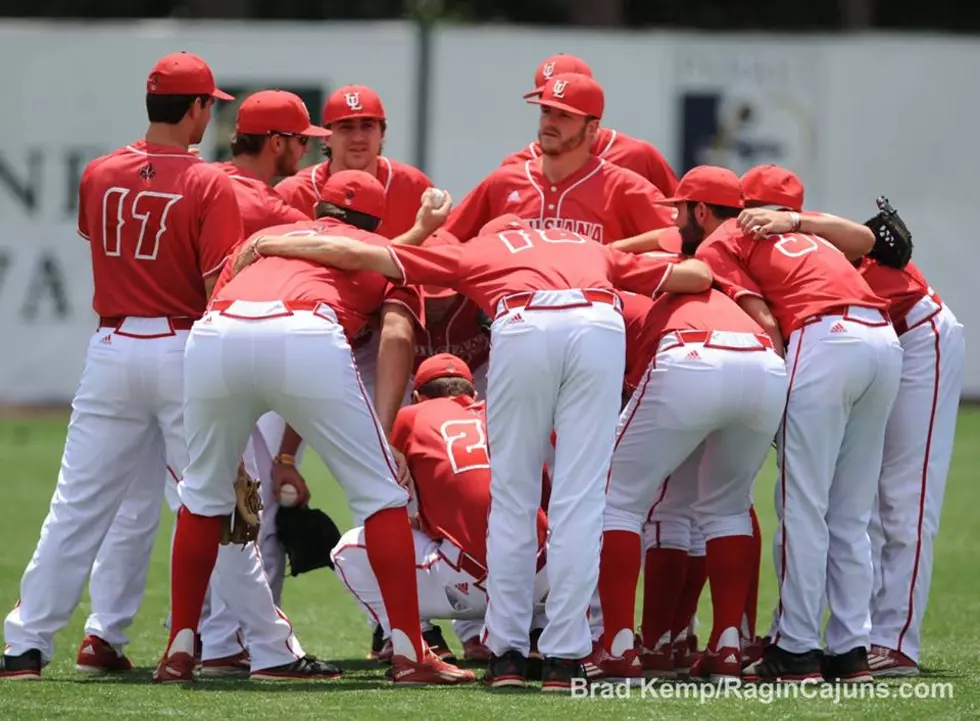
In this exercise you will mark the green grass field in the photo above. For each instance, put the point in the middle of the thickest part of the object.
(330, 626)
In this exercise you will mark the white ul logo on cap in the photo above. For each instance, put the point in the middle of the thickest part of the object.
(559, 89)
(353, 101)
(549, 68)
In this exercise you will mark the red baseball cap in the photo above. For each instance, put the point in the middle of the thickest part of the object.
(183, 73)
(442, 365)
(438, 239)
(773, 185)
(276, 111)
(573, 93)
(508, 221)
(707, 184)
(558, 65)
(355, 190)
(352, 101)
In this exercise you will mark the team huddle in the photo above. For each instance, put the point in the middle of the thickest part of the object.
(572, 376)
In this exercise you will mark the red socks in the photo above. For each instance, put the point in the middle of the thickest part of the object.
(663, 580)
(752, 600)
(195, 551)
(619, 571)
(391, 552)
(687, 605)
(730, 564)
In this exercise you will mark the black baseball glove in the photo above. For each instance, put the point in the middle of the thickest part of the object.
(893, 241)
(307, 536)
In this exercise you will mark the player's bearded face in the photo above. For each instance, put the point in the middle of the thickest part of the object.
(355, 144)
(202, 116)
(289, 157)
(692, 232)
(560, 132)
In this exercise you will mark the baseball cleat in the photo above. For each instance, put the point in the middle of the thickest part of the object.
(779, 665)
(437, 644)
(176, 668)
(752, 650)
(506, 671)
(430, 671)
(475, 650)
(591, 662)
(233, 666)
(307, 668)
(381, 649)
(627, 667)
(659, 661)
(25, 667)
(557, 674)
(96, 656)
(886, 663)
(850, 667)
(718, 666)
(683, 656)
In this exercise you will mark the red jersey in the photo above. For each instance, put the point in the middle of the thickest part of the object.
(901, 288)
(403, 186)
(491, 267)
(797, 274)
(635, 310)
(260, 205)
(159, 220)
(619, 149)
(459, 332)
(444, 441)
(354, 296)
(599, 201)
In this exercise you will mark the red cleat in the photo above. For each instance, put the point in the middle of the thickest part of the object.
(622, 668)
(97, 656)
(885, 663)
(237, 665)
(430, 671)
(475, 650)
(175, 668)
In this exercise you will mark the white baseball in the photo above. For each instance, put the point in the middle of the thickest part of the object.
(438, 197)
(288, 495)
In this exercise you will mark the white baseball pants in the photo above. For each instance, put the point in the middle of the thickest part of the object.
(255, 357)
(723, 396)
(844, 375)
(558, 369)
(671, 522)
(130, 391)
(917, 452)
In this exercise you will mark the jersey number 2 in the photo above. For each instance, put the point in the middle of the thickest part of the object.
(148, 212)
(466, 445)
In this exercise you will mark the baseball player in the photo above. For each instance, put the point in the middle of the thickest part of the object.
(160, 223)
(918, 438)
(443, 438)
(280, 331)
(568, 187)
(272, 130)
(617, 147)
(706, 350)
(557, 349)
(844, 363)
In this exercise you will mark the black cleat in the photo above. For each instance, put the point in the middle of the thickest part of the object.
(26, 667)
(437, 644)
(507, 671)
(779, 665)
(558, 674)
(306, 668)
(850, 667)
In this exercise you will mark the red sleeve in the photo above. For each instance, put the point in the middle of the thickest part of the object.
(729, 274)
(659, 171)
(521, 156)
(401, 431)
(282, 213)
(297, 192)
(638, 208)
(221, 223)
(428, 266)
(82, 227)
(471, 214)
(639, 274)
(409, 297)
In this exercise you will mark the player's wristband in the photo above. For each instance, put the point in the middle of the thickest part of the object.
(284, 459)
(796, 221)
(255, 248)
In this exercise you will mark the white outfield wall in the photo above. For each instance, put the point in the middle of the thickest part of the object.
(855, 115)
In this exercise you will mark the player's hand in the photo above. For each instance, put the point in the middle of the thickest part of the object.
(245, 257)
(414, 522)
(762, 222)
(286, 474)
(433, 213)
(404, 476)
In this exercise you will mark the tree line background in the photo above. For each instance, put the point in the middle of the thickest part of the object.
(766, 15)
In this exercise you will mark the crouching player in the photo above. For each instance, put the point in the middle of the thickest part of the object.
(443, 436)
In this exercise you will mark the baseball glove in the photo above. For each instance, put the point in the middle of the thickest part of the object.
(307, 536)
(893, 241)
(242, 525)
